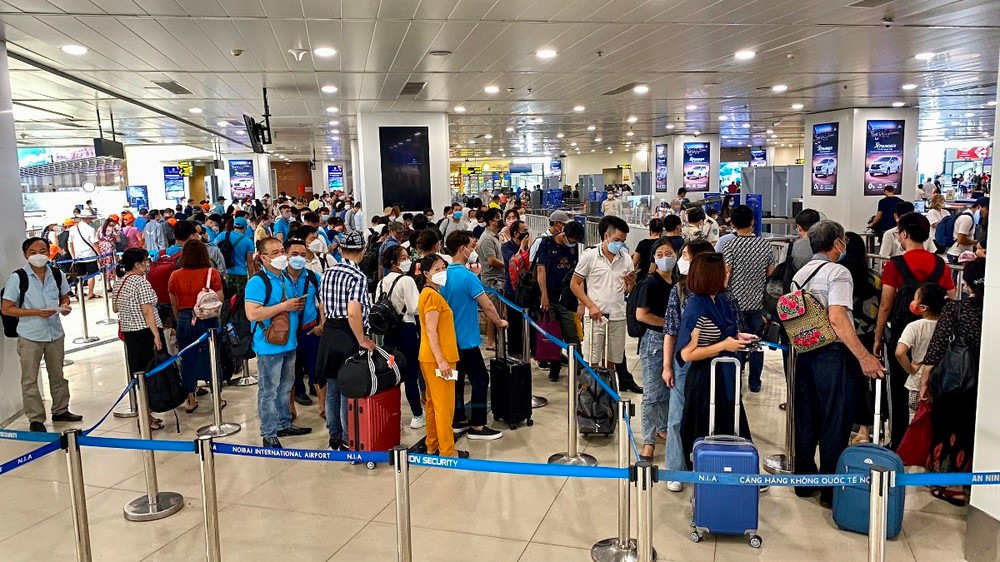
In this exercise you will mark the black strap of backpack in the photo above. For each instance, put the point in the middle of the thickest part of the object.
(391, 288)
(939, 269)
(22, 279)
(811, 275)
(903, 268)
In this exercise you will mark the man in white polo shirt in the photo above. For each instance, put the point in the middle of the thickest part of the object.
(609, 274)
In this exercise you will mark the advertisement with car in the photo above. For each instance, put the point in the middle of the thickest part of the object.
(661, 168)
(696, 166)
(883, 156)
(826, 137)
(241, 183)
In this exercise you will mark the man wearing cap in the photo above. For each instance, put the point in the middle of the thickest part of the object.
(242, 247)
(557, 222)
(344, 299)
(965, 228)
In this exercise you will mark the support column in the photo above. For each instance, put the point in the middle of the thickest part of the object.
(12, 229)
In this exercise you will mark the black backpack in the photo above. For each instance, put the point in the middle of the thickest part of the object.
(900, 316)
(228, 249)
(369, 262)
(164, 389)
(10, 322)
(777, 284)
(636, 329)
(382, 317)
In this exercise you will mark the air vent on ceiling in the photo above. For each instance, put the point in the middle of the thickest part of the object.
(412, 88)
(174, 88)
(869, 4)
(616, 91)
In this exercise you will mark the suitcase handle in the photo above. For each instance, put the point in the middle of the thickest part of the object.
(593, 332)
(876, 433)
(501, 343)
(738, 392)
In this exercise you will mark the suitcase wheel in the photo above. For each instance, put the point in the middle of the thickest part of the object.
(530, 422)
(371, 465)
(756, 541)
(512, 426)
(695, 536)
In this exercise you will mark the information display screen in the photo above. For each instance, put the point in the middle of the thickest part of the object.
(137, 196)
(826, 137)
(697, 164)
(883, 156)
(406, 170)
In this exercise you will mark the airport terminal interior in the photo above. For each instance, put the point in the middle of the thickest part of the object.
(616, 169)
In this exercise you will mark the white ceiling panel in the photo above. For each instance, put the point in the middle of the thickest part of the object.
(436, 9)
(282, 9)
(119, 6)
(162, 7)
(322, 8)
(242, 8)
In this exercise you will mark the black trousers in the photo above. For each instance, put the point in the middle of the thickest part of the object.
(336, 346)
(471, 364)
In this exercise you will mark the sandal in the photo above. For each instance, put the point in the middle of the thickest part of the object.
(957, 499)
(155, 424)
(202, 391)
(190, 410)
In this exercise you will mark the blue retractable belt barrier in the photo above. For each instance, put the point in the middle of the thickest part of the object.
(92, 258)
(174, 358)
(526, 468)
(34, 436)
(300, 454)
(137, 444)
(600, 381)
(31, 456)
(631, 435)
(528, 319)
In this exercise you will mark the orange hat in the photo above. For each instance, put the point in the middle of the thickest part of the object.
(172, 221)
(115, 218)
(128, 217)
(69, 222)
(206, 207)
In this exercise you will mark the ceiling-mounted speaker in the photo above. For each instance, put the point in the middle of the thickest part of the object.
(299, 54)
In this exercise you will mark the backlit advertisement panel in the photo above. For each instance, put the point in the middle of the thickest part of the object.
(661, 168)
(758, 158)
(241, 183)
(173, 183)
(883, 156)
(335, 177)
(826, 137)
(696, 166)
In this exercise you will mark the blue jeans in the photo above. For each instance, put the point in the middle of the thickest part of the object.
(675, 449)
(275, 374)
(195, 364)
(655, 394)
(754, 321)
(407, 342)
(336, 411)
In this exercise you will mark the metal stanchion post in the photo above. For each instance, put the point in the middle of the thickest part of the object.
(572, 456)
(247, 379)
(86, 337)
(78, 496)
(536, 401)
(209, 498)
(155, 504)
(108, 320)
(880, 479)
(401, 464)
(127, 410)
(218, 428)
(621, 548)
(785, 463)
(645, 476)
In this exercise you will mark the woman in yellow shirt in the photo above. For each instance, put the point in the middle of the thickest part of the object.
(438, 357)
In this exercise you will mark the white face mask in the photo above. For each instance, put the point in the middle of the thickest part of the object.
(38, 260)
(316, 246)
(405, 265)
(683, 265)
(473, 257)
(280, 262)
(666, 264)
(440, 278)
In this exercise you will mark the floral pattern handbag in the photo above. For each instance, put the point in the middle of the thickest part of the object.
(805, 320)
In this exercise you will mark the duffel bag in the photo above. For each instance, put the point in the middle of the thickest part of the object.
(369, 372)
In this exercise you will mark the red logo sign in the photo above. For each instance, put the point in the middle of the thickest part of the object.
(974, 153)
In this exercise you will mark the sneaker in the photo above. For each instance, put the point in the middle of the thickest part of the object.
(66, 416)
(37, 427)
(418, 422)
(764, 489)
(461, 454)
(554, 376)
(460, 428)
(485, 434)
(338, 445)
(294, 430)
(754, 389)
(675, 486)
(272, 443)
(303, 399)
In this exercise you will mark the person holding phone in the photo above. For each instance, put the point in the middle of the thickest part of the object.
(438, 357)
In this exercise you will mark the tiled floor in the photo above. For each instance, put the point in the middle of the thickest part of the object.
(283, 510)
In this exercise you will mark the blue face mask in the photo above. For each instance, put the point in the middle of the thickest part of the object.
(977, 217)
(615, 247)
(843, 255)
(457, 215)
(296, 262)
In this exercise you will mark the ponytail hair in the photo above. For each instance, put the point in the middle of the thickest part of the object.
(130, 258)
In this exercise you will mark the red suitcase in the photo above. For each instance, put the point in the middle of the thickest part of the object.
(373, 422)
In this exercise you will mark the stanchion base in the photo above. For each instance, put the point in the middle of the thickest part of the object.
(221, 430)
(609, 550)
(107, 322)
(244, 381)
(580, 459)
(125, 412)
(82, 339)
(778, 464)
(167, 504)
(539, 402)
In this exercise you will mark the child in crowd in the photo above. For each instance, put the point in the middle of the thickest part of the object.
(927, 303)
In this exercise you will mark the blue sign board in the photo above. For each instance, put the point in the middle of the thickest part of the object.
(137, 196)
(173, 183)
(335, 177)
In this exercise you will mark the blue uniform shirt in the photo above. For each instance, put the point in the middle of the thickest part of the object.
(241, 246)
(40, 294)
(280, 227)
(461, 291)
(255, 292)
(303, 287)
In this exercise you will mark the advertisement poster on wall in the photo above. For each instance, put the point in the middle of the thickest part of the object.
(173, 183)
(241, 179)
(555, 169)
(335, 177)
(731, 172)
(883, 156)
(137, 196)
(824, 159)
(758, 158)
(661, 168)
(696, 166)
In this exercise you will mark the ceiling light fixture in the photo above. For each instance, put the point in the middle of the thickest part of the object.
(924, 56)
(459, 109)
(545, 53)
(691, 107)
(333, 123)
(722, 118)
(744, 55)
(898, 104)
(491, 89)
(598, 139)
(992, 103)
(909, 86)
(487, 136)
(572, 144)
(510, 129)
(333, 109)
(779, 88)
(324, 51)
(76, 50)
(746, 125)
(222, 124)
(591, 128)
(472, 142)
(329, 89)
(641, 89)
(769, 131)
(560, 135)
(969, 114)
(797, 106)
(629, 134)
(195, 110)
(579, 109)
(632, 119)
(696, 133)
(670, 126)
(536, 120)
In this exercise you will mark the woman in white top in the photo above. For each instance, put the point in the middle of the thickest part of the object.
(935, 214)
(405, 296)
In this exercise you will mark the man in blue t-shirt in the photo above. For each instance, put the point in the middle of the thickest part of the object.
(885, 216)
(557, 258)
(242, 242)
(305, 283)
(465, 294)
(281, 225)
(275, 361)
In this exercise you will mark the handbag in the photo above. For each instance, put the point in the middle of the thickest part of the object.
(546, 350)
(958, 369)
(916, 444)
(805, 320)
(367, 373)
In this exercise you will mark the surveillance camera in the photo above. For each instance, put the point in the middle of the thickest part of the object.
(236, 52)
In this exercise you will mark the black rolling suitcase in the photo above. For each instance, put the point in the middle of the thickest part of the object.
(510, 387)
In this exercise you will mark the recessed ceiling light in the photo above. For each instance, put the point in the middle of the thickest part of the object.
(510, 129)
(969, 114)
(579, 109)
(591, 128)
(329, 89)
(472, 142)
(324, 51)
(746, 125)
(691, 107)
(778, 88)
(722, 118)
(598, 139)
(592, 150)
(222, 124)
(956, 123)
(332, 109)
(632, 119)
(769, 131)
(335, 131)
(744, 55)
(333, 123)
(696, 133)
(76, 50)
(560, 135)
(629, 134)
(489, 152)
(459, 146)
(572, 144)
(545, 53)
(909, 86)
(797, 106)
(670, 126)
(195, 110)
(491, 89)
(898, 104)
(924, 56)
(487, 136)
(536, 120)
(459, 109)
(641, 89)
(991, 103)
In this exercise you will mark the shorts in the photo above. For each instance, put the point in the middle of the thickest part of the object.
(496, 285)
(593, 342)
(85, 268)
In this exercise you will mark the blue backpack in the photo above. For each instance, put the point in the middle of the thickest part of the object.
(945, 233)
